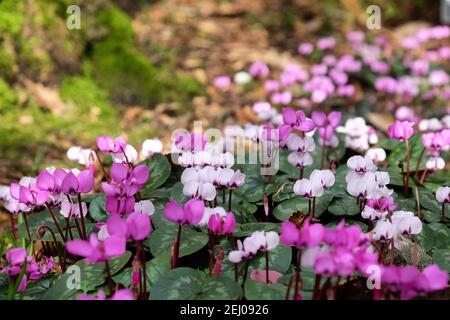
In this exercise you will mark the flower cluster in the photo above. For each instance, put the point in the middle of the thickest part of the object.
(257, 241)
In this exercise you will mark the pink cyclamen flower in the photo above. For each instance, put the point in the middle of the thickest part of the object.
(222, 225)
(305, 48)
(222, 82)
(191, 213)
(309, 235)
(28, 193)
(81, 183)
(121, 294)
(259, 69)
(110, 145)
(95, 250)
(294, 120)
(401, 130)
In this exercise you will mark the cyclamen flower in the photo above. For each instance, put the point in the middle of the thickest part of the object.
(401, 130)
(121, 294)
(150, 147)
(199, 183)
(193, 142)
(128, 155)
(294, 120)
(402, 223)
(221, 225)
(85, 157)
(410, 282)
(258, 241)
(191, 213)
(72, 210)
(443, 194)
(28, 193)
(110, 145)
(125, 183)
(144, 207)
(361, 165)
(242, 77)
(308, 188)
(95, 250)
(309, 235)
(326, 178)
(377, 155)
(222, 82)
(230, 179)
(259, 69)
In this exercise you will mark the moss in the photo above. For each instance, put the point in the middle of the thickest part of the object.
(8, 97)
(12, 17)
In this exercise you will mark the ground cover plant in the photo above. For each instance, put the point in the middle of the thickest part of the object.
(308, 201)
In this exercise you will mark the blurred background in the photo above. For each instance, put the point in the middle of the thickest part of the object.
(144, 68)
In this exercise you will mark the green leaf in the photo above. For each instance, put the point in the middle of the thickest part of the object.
(286, 208)
(442, 259)
(399, 154)
(155, 268)
(247, 229)
(189, 284)
(279, 259)
(161, 240)
(91, 276)
(344, 206)
(348, 222)
(426, 238)
(261, 291)
(97, 209)
(159, 173)
(428, 200)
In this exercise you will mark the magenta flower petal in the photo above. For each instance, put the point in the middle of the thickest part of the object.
(194, 210)
(173, 212)
(80, 248)
(114, 246)
(139, 226)
(105, 143)
(16, 256)
(14, 190)
(119, 172)
(116, 226)
(141, 173)
(289, 234)
(307, 125)
(283, 131)
(70, 184)
(85, 181)
(334, 118)
(289, 116)
(319, 118)
(45, 181)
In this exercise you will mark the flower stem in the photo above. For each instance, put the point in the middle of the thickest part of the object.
(267, 266)
(233, 246)
(247, 263)
(316, 286)
(176, 249)
(297, 274)
(211, 254)
(26, 225)
(13, 226)
(406, 187)
(392, 251)
(229, 200)
(443, 213)
(109, 278)
(288, 291)
(55, 221)
(322, 157)
(419, 162)
(82, 216)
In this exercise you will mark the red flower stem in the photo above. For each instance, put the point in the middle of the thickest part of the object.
(233, 246)
(13, 226)
(443, 213)
(82, 216)
(26, 225)
(109, 278)
(229, 200)
(316, 286)
(176, 248)
(302, 172)
(419, 162)
(288, 291)
(144, 270)
(223, 197)
(309, 207)
(267, 266)
(55, 221)
(424, 174)
(211, 254)
(392, 251)
(297, 274)
(406, 187)
(247, 262)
